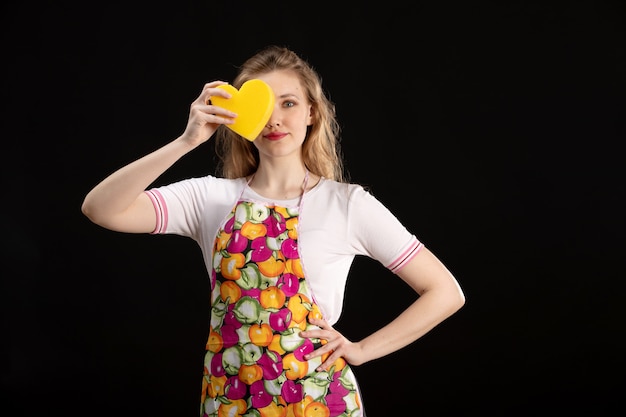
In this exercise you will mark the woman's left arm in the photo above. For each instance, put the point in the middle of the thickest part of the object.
(440, 296)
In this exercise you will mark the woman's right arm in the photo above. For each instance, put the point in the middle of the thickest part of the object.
(119, 203)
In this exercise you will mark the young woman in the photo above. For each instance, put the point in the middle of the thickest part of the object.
(279, 228)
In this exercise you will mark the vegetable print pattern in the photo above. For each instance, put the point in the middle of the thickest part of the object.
(254, 364)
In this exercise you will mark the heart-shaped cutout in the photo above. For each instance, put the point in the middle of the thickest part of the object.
(253, 103)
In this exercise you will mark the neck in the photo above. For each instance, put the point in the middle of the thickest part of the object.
(279, 183)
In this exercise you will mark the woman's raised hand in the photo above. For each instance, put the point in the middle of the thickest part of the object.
(204, 117)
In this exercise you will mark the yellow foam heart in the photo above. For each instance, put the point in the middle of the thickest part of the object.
(253, 103)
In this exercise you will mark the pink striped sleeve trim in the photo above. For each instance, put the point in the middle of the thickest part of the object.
(161, 211)
(406, 256)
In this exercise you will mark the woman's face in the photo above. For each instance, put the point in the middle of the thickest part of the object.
(287, 127)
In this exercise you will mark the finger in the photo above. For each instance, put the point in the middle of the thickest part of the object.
(219, 111)
(321, 323)
(315, 334)
(201, 117)
(322, 330)
(220, 119)
(323, 350)
(211, 90)
(329, 362)
(213, 84)
(207, 95)
(210, 109)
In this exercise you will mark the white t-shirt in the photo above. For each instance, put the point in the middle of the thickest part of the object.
(337, 222)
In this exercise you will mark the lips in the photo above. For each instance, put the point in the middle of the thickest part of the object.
(275, 136)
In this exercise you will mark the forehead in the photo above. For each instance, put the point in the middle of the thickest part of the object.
(284, 82)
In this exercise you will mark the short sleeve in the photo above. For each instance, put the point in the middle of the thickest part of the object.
(378, 233)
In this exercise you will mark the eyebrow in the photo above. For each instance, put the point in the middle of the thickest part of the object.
(288, 95)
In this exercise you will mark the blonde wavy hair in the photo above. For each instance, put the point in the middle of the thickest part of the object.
(321, 152)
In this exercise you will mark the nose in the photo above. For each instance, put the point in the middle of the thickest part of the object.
(272, 122)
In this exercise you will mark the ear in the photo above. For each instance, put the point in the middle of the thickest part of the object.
(311, 116)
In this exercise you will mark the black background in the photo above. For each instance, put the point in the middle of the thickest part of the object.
(494, 130)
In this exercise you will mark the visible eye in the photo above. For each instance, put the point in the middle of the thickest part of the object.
(289, 104)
